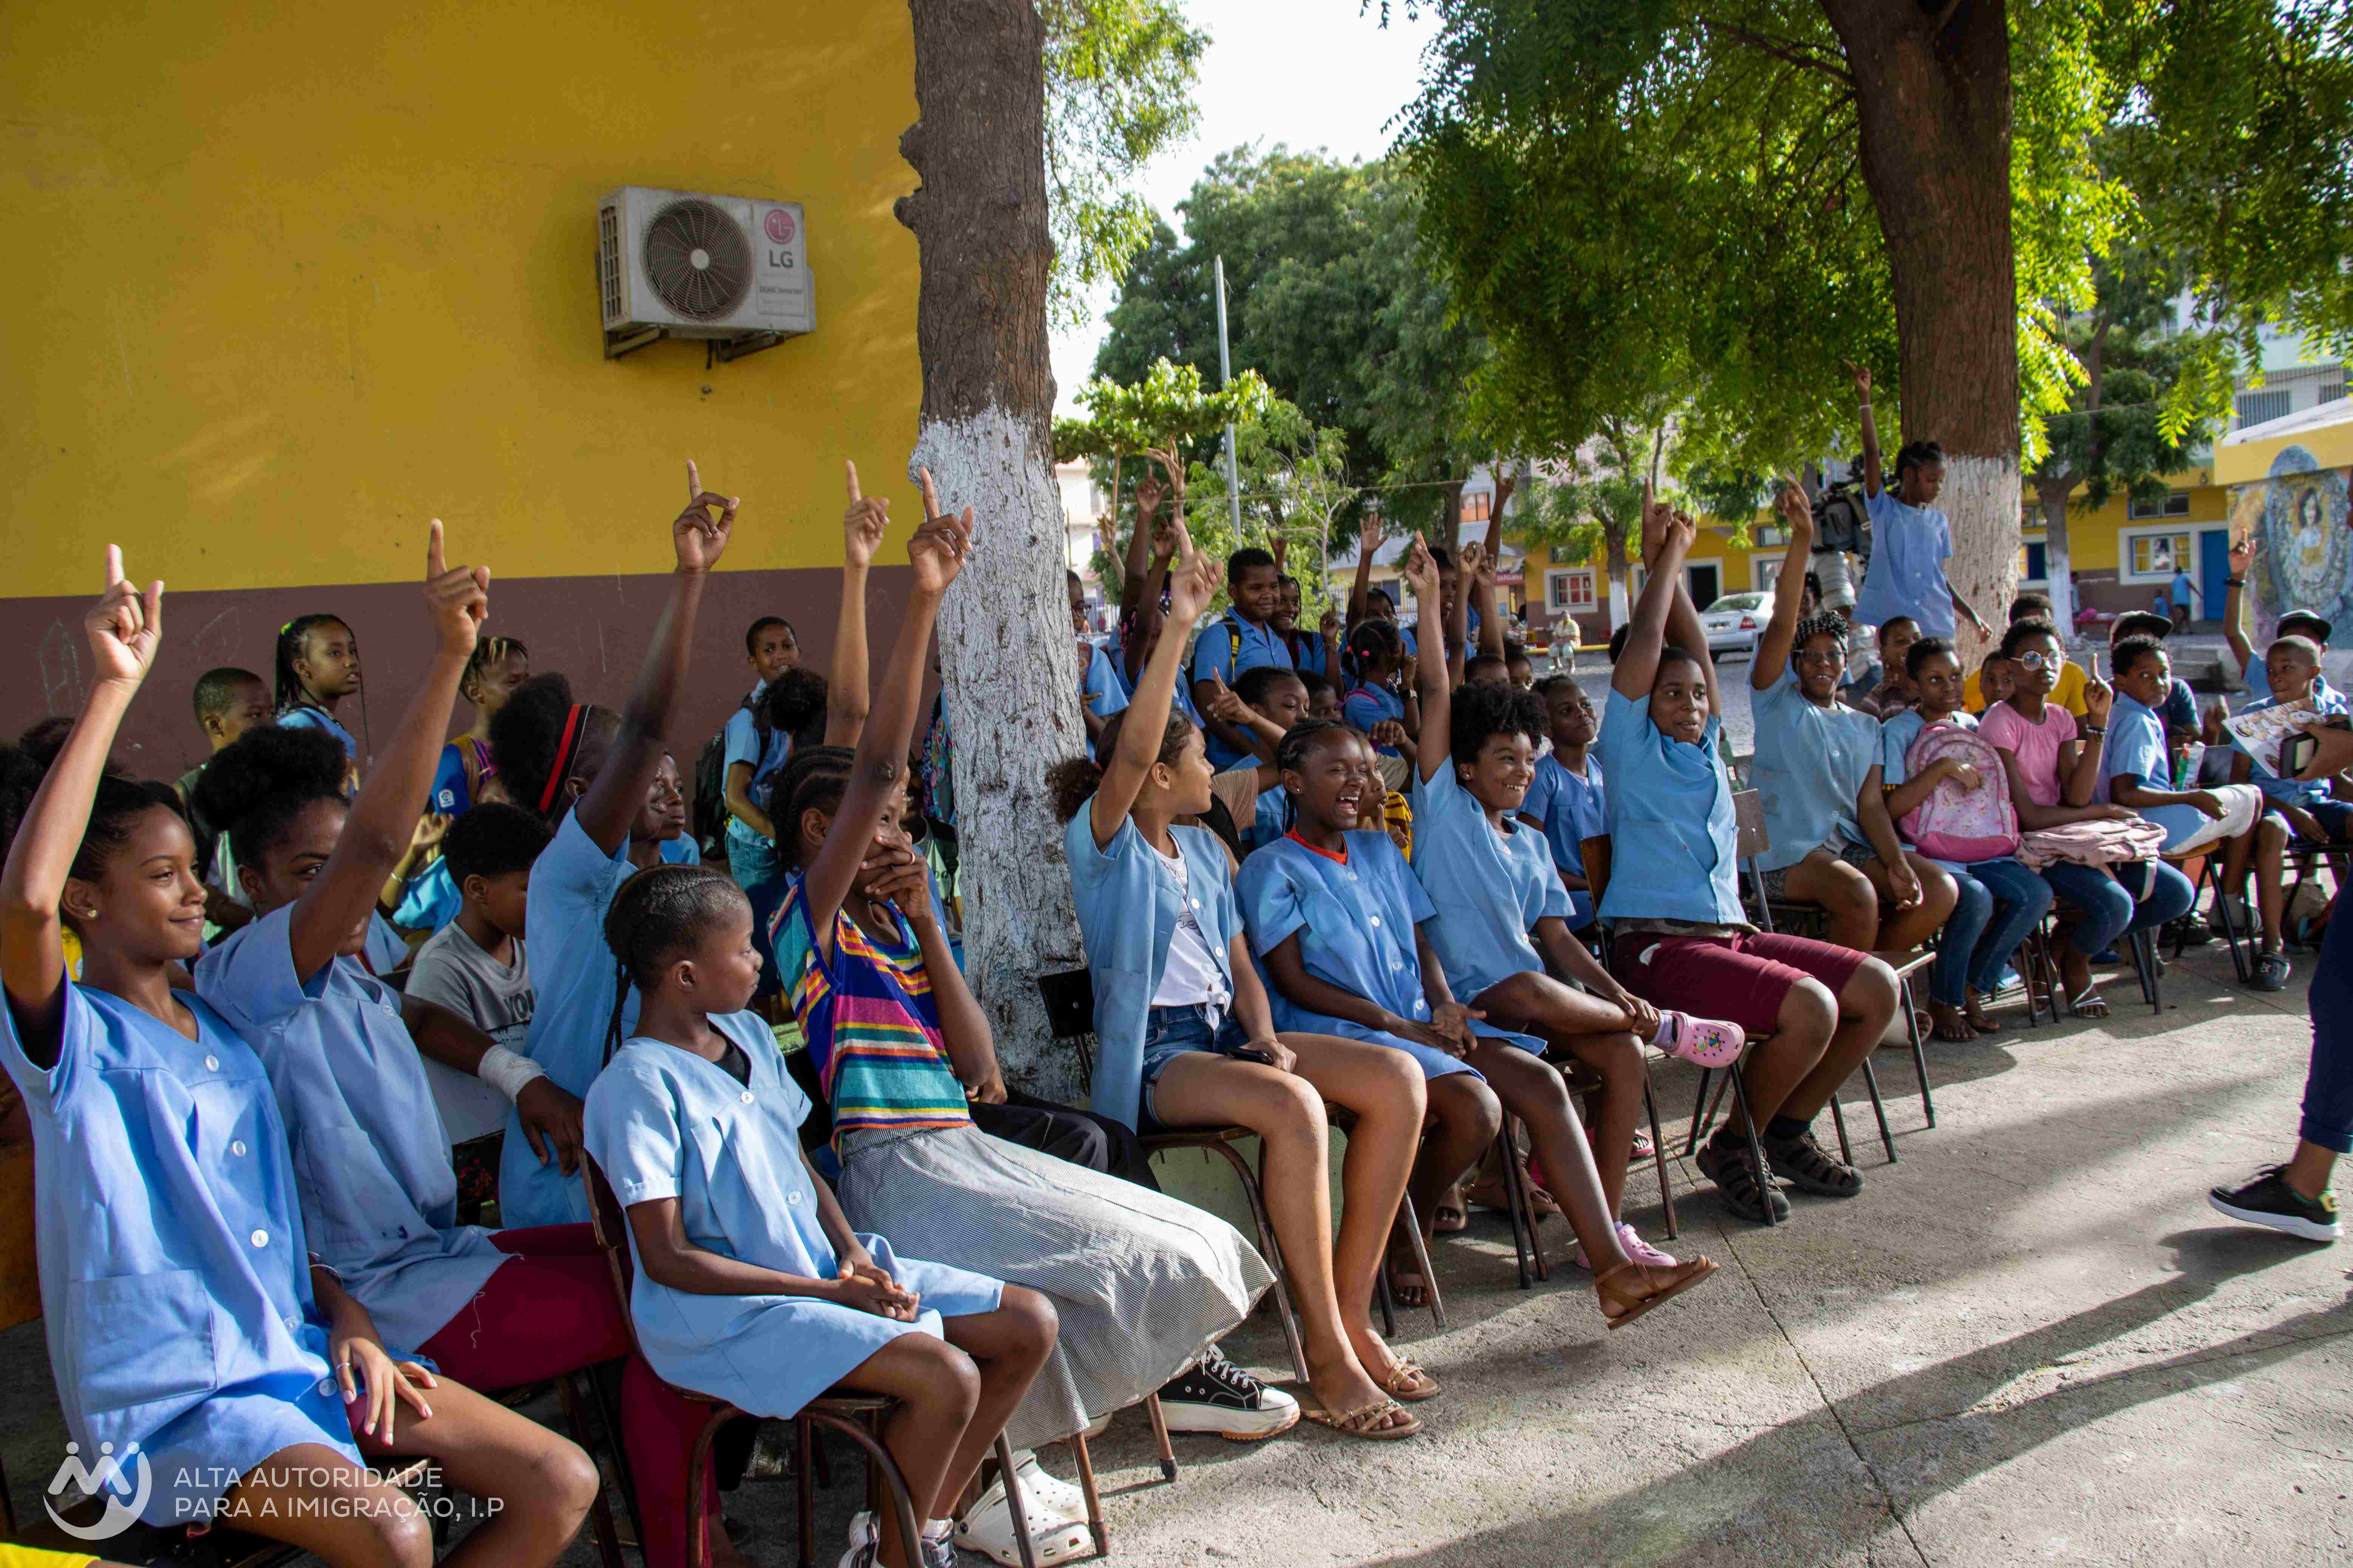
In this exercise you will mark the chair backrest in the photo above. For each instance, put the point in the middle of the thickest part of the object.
(1751, 841)
(1070, 1015)
(1595, 852)
(611, 1228)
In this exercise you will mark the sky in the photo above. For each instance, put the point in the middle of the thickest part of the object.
(1308, 73)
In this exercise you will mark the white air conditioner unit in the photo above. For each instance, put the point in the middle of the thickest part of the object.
(681, 263)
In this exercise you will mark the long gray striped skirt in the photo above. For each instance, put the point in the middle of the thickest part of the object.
(1143, 1283)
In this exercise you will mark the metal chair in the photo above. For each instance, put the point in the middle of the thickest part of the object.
(2207, 873)
(1071, 1018)
(1595, 852)
(847, 1412)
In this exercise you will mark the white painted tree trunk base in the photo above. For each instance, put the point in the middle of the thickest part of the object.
(1009, 671)
(1981, 500)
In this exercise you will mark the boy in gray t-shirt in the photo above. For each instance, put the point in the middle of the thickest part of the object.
(475, 966)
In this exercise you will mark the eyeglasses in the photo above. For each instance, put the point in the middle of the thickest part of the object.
(2036, 661)
(1821, 656)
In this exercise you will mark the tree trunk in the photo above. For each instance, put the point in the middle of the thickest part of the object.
(1615, 563)
(1008, 670)
(2051, 496)
(1935, 111)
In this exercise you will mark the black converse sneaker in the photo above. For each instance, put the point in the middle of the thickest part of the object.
(2265, 1198)
(1216, 1395)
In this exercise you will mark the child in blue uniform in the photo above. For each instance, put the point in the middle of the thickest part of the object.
(1673, 899)
(1379, 654)
(750, 1285)
(498, 667)
(1187, 1038)
(1565, 796)
(590, 772)
(316, 666)
(183, 1316)
(342, 1050)
(1264, 705)
(1492, 883)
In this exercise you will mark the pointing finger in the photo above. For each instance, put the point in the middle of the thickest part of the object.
(433, 562)
(693, 483)
(931, 495)
(113, 565)
(855, 494)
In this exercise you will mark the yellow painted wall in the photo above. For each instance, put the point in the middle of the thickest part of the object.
(284, 280)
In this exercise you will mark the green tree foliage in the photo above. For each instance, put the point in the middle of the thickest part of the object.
(1329, 298)
(1119, 89)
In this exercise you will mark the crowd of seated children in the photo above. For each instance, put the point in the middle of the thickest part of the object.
(1673, 900)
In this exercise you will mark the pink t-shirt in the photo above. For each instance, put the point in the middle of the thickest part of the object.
(2036, 746)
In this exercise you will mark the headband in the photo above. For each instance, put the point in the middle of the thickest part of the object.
(565, 747)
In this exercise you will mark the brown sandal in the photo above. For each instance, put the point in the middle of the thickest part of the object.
(1407, 1381)
(1361, 1422)
(1665, 1283)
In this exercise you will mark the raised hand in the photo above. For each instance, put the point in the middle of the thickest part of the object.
(941, 546)
(1282, 551)
(2099, 696)
(124, 626)
(457, 597)
(1163, 541)
(1328, 627)
(1418, 570)
(1192, 582)
(695, 534)
(1225, 706)
(1473, 555)
(1797, 512)
(1390, 732)
(1484, 565)
(2243, 551)
(431, 828)
(1369, 533)
(1861, 380)
(1149, 493)
(863, 523)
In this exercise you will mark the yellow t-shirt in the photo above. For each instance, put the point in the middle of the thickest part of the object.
(2068, 693)
(34, 1557)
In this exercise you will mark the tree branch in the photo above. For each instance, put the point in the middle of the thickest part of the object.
(1799, 55)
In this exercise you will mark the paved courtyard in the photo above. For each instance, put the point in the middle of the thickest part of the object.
(2029, 1341)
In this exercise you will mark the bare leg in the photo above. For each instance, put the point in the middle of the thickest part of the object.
(1468, 1119)
(1599, 1033)
(1801, 1032)
(1865, 1007)
(2308, 1172)
(1534, 1093)
(1905, 930)
(1845, 894)
(310, 1496)
(1286, 1110)
(2271, 849)
(938, 1389)
(1008, 1345)
(543, 1483)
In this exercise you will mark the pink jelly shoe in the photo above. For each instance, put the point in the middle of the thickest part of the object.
(1703, 1042)
(1637, 1249)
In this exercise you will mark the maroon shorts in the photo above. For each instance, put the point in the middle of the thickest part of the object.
(1742, 978)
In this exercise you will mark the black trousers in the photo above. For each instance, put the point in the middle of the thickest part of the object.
(1066, 1132)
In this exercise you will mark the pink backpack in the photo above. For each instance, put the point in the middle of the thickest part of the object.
(1961, 826)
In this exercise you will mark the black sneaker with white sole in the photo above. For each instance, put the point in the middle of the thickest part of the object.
(1216, 1395)
(2265, 1198)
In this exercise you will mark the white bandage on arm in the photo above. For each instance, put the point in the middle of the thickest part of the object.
(508, 1071)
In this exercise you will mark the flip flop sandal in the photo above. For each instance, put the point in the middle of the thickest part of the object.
(1968, 1031)
(1667, 1283)
(1361, 1422)
(1409, 1286)
(2090, 1005)
(1409, 1382)
(1450, 1219)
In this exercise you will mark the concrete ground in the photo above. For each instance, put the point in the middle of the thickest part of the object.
(2030, 1339)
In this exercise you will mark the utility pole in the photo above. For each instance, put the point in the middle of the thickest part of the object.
(1226, 378)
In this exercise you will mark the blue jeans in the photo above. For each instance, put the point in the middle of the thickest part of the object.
(2140, 895)
(2328, 1086)
(1173, 1032)
(1978, 942)
(752, 860)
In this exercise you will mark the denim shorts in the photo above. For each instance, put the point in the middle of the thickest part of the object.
(1170, 1033)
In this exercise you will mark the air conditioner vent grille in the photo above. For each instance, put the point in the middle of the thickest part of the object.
(697, 259)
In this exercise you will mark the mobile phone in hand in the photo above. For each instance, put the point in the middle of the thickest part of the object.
(2295, 754)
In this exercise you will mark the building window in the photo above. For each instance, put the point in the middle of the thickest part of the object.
(2332, 392)
(2254, 407)
(2036, 566)
(1474, 507)
(2159, 554)
(1573, 591)
(2175, 504)
(1772, 538)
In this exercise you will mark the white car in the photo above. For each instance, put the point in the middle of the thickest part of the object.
(1734, 622)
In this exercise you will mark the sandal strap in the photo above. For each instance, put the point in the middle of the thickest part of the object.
(1809, 1156)
(1365, 1418)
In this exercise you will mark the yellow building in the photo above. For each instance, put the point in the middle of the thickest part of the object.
(290, 280)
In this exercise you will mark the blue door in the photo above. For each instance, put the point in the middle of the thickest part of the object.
(2214, 566)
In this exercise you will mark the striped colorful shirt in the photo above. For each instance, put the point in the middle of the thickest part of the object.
(871, 1022)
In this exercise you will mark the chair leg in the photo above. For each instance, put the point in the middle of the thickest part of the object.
(1271, 1249)
(1699, 1109)
(880, 1463)
(1012, 1498)
(805, 1443)
(1383, 1297)
(1095, 1527)
(2241, 963)
(1749, 1123)
(2144, 947)
(1837, 1121)
(698, 1465)
(600, 1513)
(1659, 1153)
(1879, 1110)
(1160, 1437)
(1515, 1201)
(1434, 1297)
(1919, 1053)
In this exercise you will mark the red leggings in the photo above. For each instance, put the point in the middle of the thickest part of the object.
(551, 1310)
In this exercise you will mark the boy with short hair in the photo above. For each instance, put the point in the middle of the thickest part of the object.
(2292, 623)
(1911, 540)
(1243, 639)
(228, 701)
(2313, 807)
(475, 966)
(771, 647)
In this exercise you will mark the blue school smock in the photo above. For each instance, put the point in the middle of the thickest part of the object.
(1811, 766)
(1896, 738)
(1909, 547)
(664, 1123)
(1128, 949)
(2135, 748)
(1573, 809)
(1101, 689)
(1673, 847)
(1354, 924)
(572, 885)
(2292, 791)
(744, 745)
(175, 1289)
(1226, 648)
(1488, 885)
(370, 1158)
(305, 717)
(431, 900)
(1365, 706)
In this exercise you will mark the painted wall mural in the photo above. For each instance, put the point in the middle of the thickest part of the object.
(2300, 513)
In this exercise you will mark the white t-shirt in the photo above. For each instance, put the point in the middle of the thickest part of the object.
(1192, 978)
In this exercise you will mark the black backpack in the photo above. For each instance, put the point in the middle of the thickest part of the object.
(1841, 523)
(710, 812)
